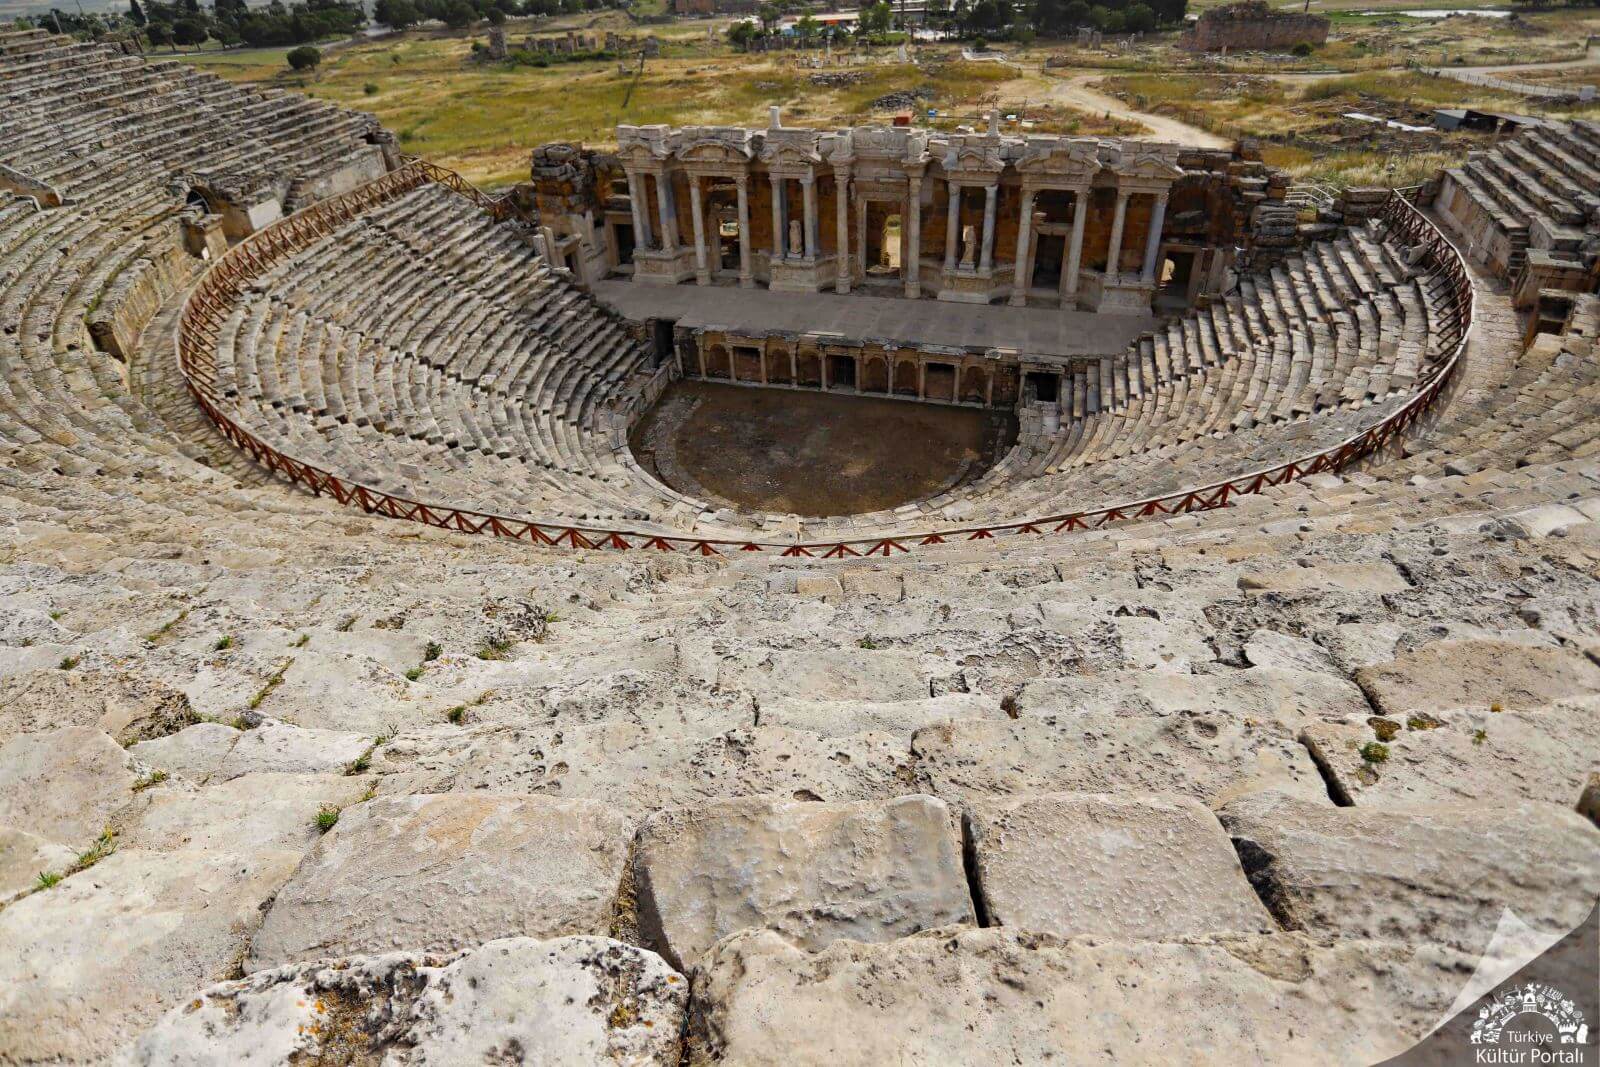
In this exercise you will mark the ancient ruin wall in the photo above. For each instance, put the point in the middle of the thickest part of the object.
(1253, 26)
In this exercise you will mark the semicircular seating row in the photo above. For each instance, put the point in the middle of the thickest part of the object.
(423, 349)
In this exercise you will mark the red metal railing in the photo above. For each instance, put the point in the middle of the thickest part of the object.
(199, 328)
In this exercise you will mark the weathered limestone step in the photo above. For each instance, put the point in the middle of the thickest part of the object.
(1429, 875)
(1001, 997)
(814, 873)
(1108, 866)
(436, 873)
(571, 1000)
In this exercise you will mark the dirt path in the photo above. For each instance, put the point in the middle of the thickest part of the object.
(1075, 91)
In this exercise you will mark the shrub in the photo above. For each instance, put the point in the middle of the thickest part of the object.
(306, 57)
(371, 88)
(1303, 49)
(1375, 752)
(327, 818)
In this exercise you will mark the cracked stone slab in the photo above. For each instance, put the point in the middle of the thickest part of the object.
(289, 749)
(1208, 757)
(1431, 874)
(194, 752)
(25, 856)
(637, 770)
(256, 811)
(569, 1000)
(1111, 866)
(1482, 674)
(103, 953)
(1289, 696)
(437, 873)
(64, 785)
(815, 873)
(1001, 997)
(1474, 754)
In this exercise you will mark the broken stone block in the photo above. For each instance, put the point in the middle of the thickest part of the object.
(512, 1000)
(437, 873)
(1209, 757)
(64, 785)
(814, 873)
(1459, 755)
(194, 753)
(100, 955)
(1483, 674)
(1372, 578)
(1438, 874)
(1002, 997)
(1109, 866)
(288, 749)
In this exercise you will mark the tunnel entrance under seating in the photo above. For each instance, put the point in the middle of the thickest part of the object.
(661, 340)
(813, 453)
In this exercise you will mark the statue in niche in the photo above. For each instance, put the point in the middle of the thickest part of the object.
(969, 246)
(796, 245)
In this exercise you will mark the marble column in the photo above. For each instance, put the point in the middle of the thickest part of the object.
(1022, 272)
(747, 279)
(702, 274)
(1069, 277)
(841, 193)
(1152, 244)
(952, 228)
(991, 193)
(808, 190)
(911, 265)
(861, 236)
(669, 219)
(1114, 249)
(778, 220)
(641, 215)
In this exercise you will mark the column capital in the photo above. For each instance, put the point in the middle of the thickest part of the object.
(742, 181)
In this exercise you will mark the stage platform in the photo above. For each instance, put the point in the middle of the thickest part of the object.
(1043, 332)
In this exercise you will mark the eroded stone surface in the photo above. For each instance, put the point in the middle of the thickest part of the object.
(1462, 754)
(571, 1000)
(815, 873)
(436, 873)
(1208, 757)
(194, 752)
(1429, 874)
(64, 785)
(100, 955)
(1480, 674)
(256, 811)
(999, 997)
(1130, 867)
(24, 857)
(288, 749)
(1259, 693)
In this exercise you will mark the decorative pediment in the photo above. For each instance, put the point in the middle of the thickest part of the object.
(1148, 160)
(792, 148)
(976, 157)
(716, 144)
(639, 145)
(1071, 160)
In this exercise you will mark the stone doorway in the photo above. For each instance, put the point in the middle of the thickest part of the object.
(1048, 259)
(882, 242)
(940, 381)
(841, 372)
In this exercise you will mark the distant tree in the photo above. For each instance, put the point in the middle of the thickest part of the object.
(742, 34)
(769, 14)
(1168, 12)
(875, 19)
(1049, 17)
(136, 13)
(1139, 18)
(160, 33)
(807, 27)
(458, 15)
(496, 17)
(190, 32)
(397, 14)
(306, 57)
(1075, 13)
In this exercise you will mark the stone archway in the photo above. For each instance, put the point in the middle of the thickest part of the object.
(905, 378)
(779, 366)
(809, 366)
(875, 375)
(718, 363)
(974, 386)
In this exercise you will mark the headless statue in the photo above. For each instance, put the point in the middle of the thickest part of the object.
(969, 246)
(796, 247)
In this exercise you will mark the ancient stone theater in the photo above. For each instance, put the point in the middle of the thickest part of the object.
(873, 595)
